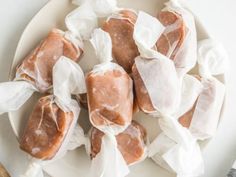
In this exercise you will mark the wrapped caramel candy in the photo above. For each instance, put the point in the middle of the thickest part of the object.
(179, 40)
(199, 112)
(110, 102)
(109, 89)
(157, 85)
(172, 38)
(203, 117)
(158, 88)
(131, 142)
(120, 26)
(47, 127)
(176, 147)
(36, 68)
(35, 71)
(54, 118)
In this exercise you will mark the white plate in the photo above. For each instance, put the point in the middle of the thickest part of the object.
(77, 163)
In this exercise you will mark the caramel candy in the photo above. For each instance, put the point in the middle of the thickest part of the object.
(82, 99)
(131, 142)
(173, 36)
(168, 44)
(142, 96)
(110, 97)
(46, 129)
(37, 66)
(121, 31)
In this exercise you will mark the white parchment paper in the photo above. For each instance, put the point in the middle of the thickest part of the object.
(65, 83)
(109, 161)
(156, 70)
(212, 60)
(14, 94)
(186, 56)
(83, 20)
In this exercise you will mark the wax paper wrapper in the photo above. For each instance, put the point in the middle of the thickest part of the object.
(35, 71)
(103, 105)
(131, 143)
(175, 149)
(83, 20)
(186, 56)
(208, 96)
(212, 60)
(109, 161)
(108, 72)
(68, 78)
(120, 26)
(80, 24)
(157, 72)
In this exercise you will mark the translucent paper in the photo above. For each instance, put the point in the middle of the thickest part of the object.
(212, 60)
(35, 71)
(109, 161)
(181, 154)
(175, 148)
(158, 72)
(164, 86)
(83, 20)
(186, 56)
(14, 95)
(65, 84)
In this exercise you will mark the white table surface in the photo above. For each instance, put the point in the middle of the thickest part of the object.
(219, 18)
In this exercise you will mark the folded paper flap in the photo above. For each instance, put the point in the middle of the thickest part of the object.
(208, 108)
(162, 72)
(76, 41)
(174, 130)
(78, 139)
(147, 30)
(83, 20)
(160, 145)
(103, 8)
(109, 161)
(68, 79)
(14, 94)
(212, 58)
(182, 152)
(102, 44)
(191, 89)
(185, 162)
